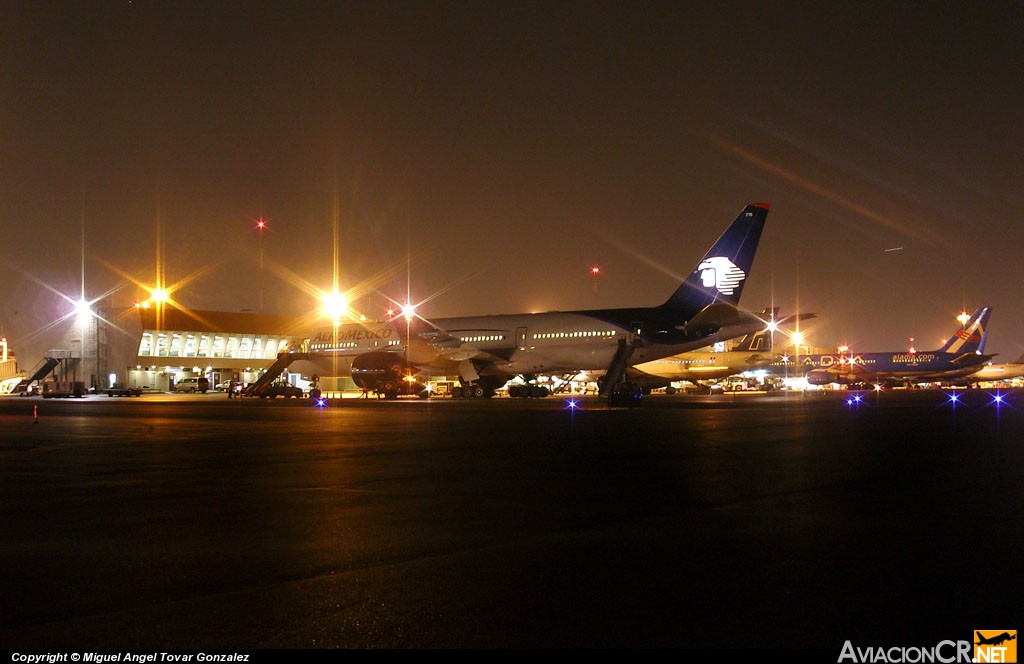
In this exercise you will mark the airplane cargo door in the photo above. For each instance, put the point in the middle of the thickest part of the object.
(521, 337)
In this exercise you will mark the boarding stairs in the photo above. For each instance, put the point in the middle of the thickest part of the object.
(284, 359)
(617, 369)
(41, 371)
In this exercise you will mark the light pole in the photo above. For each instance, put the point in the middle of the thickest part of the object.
(407, 311)
(261, 223)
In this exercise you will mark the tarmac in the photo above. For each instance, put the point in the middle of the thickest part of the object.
(786, 521)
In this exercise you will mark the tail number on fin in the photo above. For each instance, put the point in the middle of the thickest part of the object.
(721, 273)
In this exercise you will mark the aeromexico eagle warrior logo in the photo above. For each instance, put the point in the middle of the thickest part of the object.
(721, 273)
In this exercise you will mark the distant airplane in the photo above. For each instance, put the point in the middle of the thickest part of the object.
(486, 351)
(996, 640)
(753, 351)
(1003, 371)
(960, 356)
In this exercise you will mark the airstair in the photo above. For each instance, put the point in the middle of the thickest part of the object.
(282, 362)
(41, 371)
(617, 369)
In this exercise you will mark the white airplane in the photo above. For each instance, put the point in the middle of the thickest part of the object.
(1002, 371)
(393, 357)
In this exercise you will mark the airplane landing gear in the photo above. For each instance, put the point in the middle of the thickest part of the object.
(476, 391)
(528, 391)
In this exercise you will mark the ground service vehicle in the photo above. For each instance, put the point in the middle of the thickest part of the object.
(626, 395)
(286, 390)
(121, 390)
(59, 389)
(192, 384)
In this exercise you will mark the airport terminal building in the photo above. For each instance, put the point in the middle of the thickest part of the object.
(157, 346)
(222, 346)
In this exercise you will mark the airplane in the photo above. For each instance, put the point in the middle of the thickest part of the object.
(753, 351)
(961, 356)
(996, 640)
(485, 352)
(1002, 371)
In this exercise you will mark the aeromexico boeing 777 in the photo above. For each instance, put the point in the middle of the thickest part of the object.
(961, 356)
(486, 351)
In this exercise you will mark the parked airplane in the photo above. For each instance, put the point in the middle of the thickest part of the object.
(486, 351)
(1003, 371)
(961, 356)
(753, 351)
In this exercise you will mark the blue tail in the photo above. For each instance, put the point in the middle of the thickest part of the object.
(720, 275)
(972, 336)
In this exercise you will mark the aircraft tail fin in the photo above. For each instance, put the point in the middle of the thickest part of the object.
(721, 274)
(972, 336)
(761, 340)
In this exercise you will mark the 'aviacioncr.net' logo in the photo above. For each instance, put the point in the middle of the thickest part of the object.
(721, 273)
(995, 645)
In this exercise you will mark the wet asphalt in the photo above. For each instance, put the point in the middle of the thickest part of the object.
(786, 521)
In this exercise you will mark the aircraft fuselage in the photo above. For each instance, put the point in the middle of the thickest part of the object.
(514, 344)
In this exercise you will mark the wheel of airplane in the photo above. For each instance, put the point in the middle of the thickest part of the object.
(478, 392)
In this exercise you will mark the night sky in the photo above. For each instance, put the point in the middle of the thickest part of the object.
(486, 155)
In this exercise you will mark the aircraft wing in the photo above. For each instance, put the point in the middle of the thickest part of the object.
(761, 359)
(718, 315)
(795, 318)
(438, 338)
(454, 349)
(847, 370)
(972, 358)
